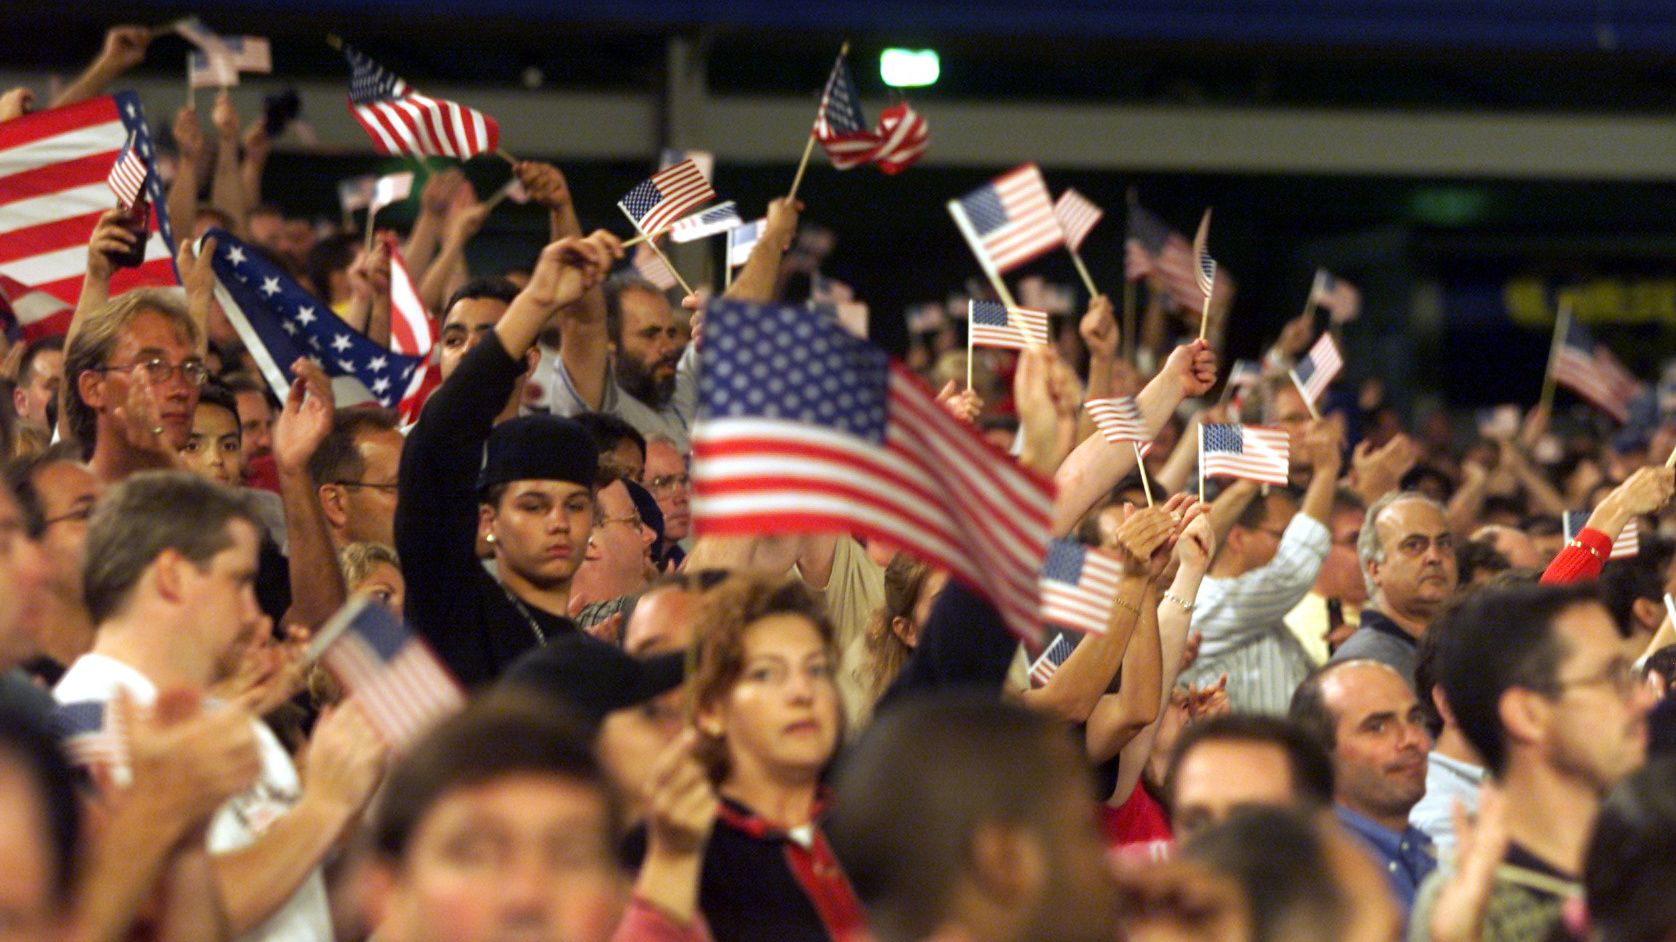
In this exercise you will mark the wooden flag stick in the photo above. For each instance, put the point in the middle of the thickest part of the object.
(672, 269)
(642, 237)
(502, 154)
(1562, 324)
(371, 212)
(971, 350)
(727, 276)
(1140, 465)
(191, 90)
(809, 145)
(1670, 462)
(1204, 316)
(1129, 292)
(965, 226)
(1087, 280)
(500, 198)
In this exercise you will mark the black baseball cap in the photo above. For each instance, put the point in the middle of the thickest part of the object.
(593, 677)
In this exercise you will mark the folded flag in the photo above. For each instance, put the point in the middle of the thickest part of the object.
(1339, 297)
(1009, 220)
(1252, 452)
(1317, 370)
(279, 322)
(1078, 586)
(1627, 545)
(402, 121)
(399, 683)
(653, 268)
(806, 429)
(926, 318)
(391, 188)
(993, 324)
(1118, 419)
(841, 129)
(720, 218)
(54, 168)
(742, 240)
(1589, 369)
(666, 196)
(1056, 654)
(127, 179)
(1077, 216)
(356, 192)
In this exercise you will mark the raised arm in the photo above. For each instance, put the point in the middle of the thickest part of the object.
(258, 147)
(124, 48)
(182, 199)
(109, 235)
(1099, 333)
(227, 186)
(464, 220)
(317, 588)
(425, 236)
(1096, 465)
(761, 272)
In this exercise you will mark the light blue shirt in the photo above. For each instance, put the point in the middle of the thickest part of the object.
(1447, 780)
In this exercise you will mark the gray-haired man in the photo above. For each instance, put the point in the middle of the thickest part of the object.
(1407, 553)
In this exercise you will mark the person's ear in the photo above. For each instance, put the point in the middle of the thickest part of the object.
(378, 885)
(1647, 614)
(90, 385)
(905, 631)
(486, 523)
(169, 574)
(334, 505)
(1525, 715)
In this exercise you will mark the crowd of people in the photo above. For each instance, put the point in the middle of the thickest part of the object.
(1394, 698)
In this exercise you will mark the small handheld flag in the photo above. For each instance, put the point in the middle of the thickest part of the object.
(1250, 452)
(1056, 654)
(1009, 220)
(1078, 585)
(666, 196)
(1317, 370)
(402, 121)
(742, 240)
(991, 324)
(392, 673)
(719, 218)
(1341, 299)
(841, 129)
(1204, 270)
(1626, 546)
(128, 175)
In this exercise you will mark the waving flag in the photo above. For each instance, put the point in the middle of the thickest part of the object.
(1339, 297)
(1243, 377)
(1626, 546)
(394, 676)
(127, 179)
(836, 437)
(666, 196)
(54, 166)
(841, 129)
(652, 267)
(1590, 370)
(993, 324)
(279, 322)
(1077, 216)
(1118, 419)
(207, 68)
(720, 218)
(1009, 220)
(1317, 370)
(925, 318)
(742, 240)
(1152, 247)
(401, 121)
(1056, 654)
(412, 331)
(1204, 269)
(1078, 585)
(390, 189)
(27, 313)
(1252, 452)
(356, 192)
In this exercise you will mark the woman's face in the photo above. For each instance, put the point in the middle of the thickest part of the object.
(213, 449)
(781, 716)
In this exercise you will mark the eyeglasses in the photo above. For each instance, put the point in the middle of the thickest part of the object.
(80, 513)
(1620, 674)
(159, 370)
(665, 483)
(382, 488)
(632, 520)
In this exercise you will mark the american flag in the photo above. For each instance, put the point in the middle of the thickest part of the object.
(412, 333)
(1037, 293)
(841, 128)
(512, 190)
(399, 683)
(1204, 271)
(742, 240)
(53, 170)
(804, 428)
(356, 192)
(1009, 220)
(993, 324)
(666, 196)
(1243, 377)
(208, 68)
(721, 218)
(1590, 370)
(1077, 216)
(1078, 585)
(1340, 298)
(1118, 419)
(27, 309)
(1253, 452)
(279, 322)
(402, 121)
(1627, 545)
(127, 179)
(652, 267)
(91, 736)
(1317, 370)
(1152, 247)
(391, 188)
(1048, 664)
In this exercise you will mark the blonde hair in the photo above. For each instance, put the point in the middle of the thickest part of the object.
(96, 339)
(357, 560)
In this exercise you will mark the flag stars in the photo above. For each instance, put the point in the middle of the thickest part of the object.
(340, 343)
(377, 365)
(270, 286)
(305, 316)
(235, 254)
(381, 385)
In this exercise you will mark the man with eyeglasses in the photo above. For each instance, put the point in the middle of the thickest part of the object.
(667, 478)
(1273, 550)
(133, 368)
(1407, 551)
(354, 475)
(1542, 688)
(618, 563)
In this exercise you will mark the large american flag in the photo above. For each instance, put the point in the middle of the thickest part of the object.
(806, 429)
(1253, 452)
(402, 121)
(841, 128)
(722, 217)
(1077, 215)
(993, 324)
(398, 682)
(1054, 655)
(1627, 545)
(1590, 370)
(1010, 219)
(25, 310)
(1317, 370)
(279, 322)
(1119, 419)
(1078, 585)
(53, 170)
(1339, 297)
(666, 196)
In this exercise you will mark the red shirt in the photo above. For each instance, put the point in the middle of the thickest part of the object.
(1138, 826)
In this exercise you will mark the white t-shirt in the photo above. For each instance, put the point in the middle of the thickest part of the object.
(244, 818)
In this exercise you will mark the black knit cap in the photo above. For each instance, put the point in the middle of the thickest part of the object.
(593, 677)
(539, 448)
